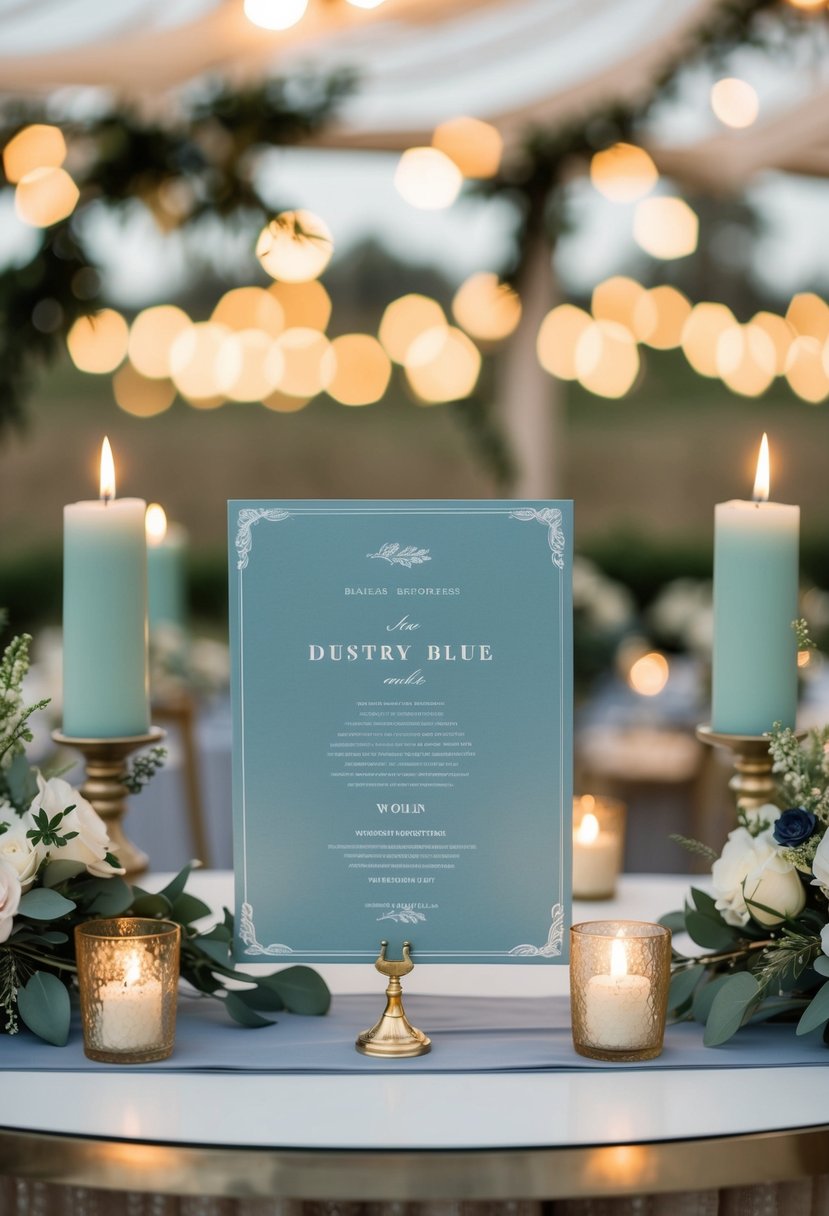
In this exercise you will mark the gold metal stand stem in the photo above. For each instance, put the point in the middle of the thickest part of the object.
(753, 782)
(106, 767)
(393, 1037)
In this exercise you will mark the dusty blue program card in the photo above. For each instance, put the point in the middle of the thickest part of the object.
(402, 717)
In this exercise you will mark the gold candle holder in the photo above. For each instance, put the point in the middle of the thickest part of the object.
(106, 767)
(598, 846)
(128, 972)
(753, 782)
(619, 977)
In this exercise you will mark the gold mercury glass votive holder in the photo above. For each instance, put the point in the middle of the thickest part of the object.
(128, 971)
(619, 976)
(598, 846)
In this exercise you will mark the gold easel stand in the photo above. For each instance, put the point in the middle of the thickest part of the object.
(753, 782)
(393, 1037)
(106, 767)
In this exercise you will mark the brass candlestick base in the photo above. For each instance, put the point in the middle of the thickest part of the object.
(106, 767)
(753, 781)
(393, 1037)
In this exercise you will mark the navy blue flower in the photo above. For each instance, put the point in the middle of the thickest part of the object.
(794, 826)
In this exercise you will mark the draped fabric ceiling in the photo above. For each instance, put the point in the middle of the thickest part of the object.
(515, 63)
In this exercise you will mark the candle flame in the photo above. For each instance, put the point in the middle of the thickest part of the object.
(618, 957)
(132, 972)
(588, 829)
(155, 524)
(761, 481)
(107, 471)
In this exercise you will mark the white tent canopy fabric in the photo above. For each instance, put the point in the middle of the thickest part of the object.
(516, 63)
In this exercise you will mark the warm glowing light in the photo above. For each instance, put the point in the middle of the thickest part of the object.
(282, 403)
(250, 308)
(139, 395)
(649, 674)
(44, 197)
(623, 173)
(107, 477)
(762, 476)
(475, 147)
(194, 358)
(588, 829)
(780, 333)
(557, 339)
(701, 333)
(616, 299)
(363, 370)
(301, 363)
(806, 371)
(735, 102)
(304, 305)
(152, 334)
(406, 319)
(487, 309)
(746, 359)
(132, 972)
(295, 247)
(808, 316)
(607, 359)
(427, 179)
(98, 343)
(35, 147)
(804, 658)
(807, 6)
(365, 3)
(665, 228)
(244, 369)
(659, 317)
(442, 364)
(155, 524)
(618, 957)
(275, 14)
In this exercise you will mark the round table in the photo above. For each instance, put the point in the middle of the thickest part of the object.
(422, 1137)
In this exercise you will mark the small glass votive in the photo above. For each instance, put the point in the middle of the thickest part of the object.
(128, 971)
(598, 846)
(619, 976)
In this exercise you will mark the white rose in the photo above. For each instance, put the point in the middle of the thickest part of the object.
(91, 844)
(752, 865)
(820, 864)
(775, 884)
(16, 849)
(10, 893)
(824, 939)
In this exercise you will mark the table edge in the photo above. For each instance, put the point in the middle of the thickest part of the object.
(416, 1175)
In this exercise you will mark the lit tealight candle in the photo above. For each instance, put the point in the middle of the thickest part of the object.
(166, 548)
(597, 848)
(131, 1010)
(754, 672)
(105, 614)
(617, 1016)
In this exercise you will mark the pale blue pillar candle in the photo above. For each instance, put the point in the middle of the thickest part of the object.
(105, 679)
(755, 602)
(166, 581)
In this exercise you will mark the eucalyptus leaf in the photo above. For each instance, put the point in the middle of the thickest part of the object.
(675, 921)
(683, 984)
(150, 904)
(730, 1008)
(302, 990)
(262, 997)
(218, 951)
(241, 1013)
(704, 903)
(109, 896)
(175, 887)
(704, 997)
(42, 903)
(817, 1012)
(43, 1004)
(187, 908)
(21, 782)
(56, 872)
(712, 934)
(821, 964)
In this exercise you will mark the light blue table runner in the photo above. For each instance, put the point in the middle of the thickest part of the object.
(469, 1034)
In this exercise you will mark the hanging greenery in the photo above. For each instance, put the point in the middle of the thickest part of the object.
(199, 165)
